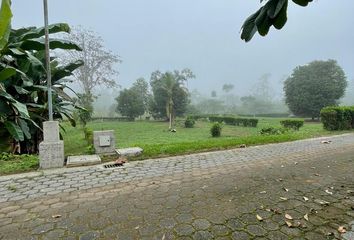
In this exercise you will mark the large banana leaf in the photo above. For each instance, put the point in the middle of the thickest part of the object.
(5, 22)
(39, 32)
(38, 44)
(15, 130)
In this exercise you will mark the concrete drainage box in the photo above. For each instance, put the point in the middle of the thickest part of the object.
(104, 142)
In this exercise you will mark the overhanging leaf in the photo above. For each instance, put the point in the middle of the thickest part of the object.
(303, 3)
(5, 23)
(249, 26)
(7, 73)
(39, 32)
(39, 44)
(25, 128)
(14, 130)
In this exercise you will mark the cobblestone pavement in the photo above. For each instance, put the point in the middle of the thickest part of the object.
(297, 190)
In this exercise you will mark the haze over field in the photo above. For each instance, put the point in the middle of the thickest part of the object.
(203, 35)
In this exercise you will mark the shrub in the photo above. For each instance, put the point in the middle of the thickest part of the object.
(189, 123)
(216, 130)
(292, 124)
(272, 131)
(337, 118)
(88, 135)
(246, 122)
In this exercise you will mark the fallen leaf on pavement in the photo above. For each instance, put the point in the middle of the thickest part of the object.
(268, 209)
(306, 217)
(263, 192)
(283, 198)
(285, 189)
(56, 216)
(306, 199)
(326, 142)
(287, 216)
(317, 175)
(289, 224)
(322, 202)
(342, 229)
(329, 192)
(259, 218)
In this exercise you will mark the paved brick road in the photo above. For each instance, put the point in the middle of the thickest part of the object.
(215, 195)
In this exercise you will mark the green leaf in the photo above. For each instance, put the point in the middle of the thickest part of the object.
(303, 3)
(5, 23)
(39, 32)
(66, 71)
(263, 22)
(7, 73)
(25, 128)
(14, 130)
(274, 7)
(21, 90)
(249, 26)
(22, 109)
(282, 17)
(39, 45)
(4, 108)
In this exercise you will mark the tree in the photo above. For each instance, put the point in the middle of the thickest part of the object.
(23, 83)
(273, 13)
(130, 104)
(99, 62)
(213, 94)
(170, 96)
(84, 100)
(142, 88)
(314, 86)
(262, 90)
(227, 87)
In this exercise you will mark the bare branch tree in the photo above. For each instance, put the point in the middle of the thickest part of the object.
(98, 68)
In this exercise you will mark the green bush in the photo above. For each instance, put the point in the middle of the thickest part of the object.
(189, 123)
(246, 122)
(272, 131)
(292, 124)
(216, 130)
(337, 118)
(88, 135)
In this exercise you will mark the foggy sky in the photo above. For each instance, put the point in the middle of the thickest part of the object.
(203, 35)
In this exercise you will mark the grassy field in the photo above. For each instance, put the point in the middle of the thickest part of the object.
(157, 141)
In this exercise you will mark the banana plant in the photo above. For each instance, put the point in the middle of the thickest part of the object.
(23, 84)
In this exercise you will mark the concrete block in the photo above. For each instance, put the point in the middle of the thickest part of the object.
(51, 154)
(83, 160)
(104, 142)
(130, 152)
(51, 131)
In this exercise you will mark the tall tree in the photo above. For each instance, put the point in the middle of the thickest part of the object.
(99, 66)
(272, 13)
(130, 104)
(314, 86)
(171, 97)
(227, 87)
(141, 86)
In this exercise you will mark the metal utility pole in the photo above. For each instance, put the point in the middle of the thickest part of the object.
(47, 58)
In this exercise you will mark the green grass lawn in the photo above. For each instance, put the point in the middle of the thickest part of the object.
(157, 141)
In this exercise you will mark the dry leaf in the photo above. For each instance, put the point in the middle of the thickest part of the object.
(287, 216)
(268, 209)
(263, 192)
(326, 142)
(306, 199)
(56, 216)
(329, 192)
(283, 198)
(322, 202)
(285, 189)
(296, 163)
(342, 229)
(259, 218)
(137, 227)
(306, 217)
(317, 175)
(289, 224)
(280, 179)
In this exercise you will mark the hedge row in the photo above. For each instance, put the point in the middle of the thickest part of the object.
(292, 124)
(246, 122)
(338, 118)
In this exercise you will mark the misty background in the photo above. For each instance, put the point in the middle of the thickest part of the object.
(203, 35)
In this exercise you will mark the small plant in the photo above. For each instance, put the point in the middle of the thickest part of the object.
(216, 130)
(292, 124)
(88, 135)
(189, 123)
(272, 131)
(12, 188)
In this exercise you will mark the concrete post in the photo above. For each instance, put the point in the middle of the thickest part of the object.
(51, 150)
